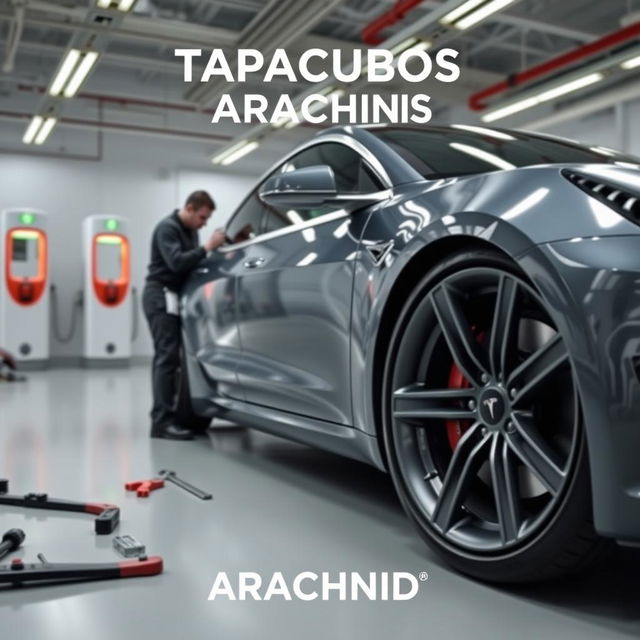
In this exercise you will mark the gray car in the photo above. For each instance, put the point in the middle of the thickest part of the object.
(457, 305)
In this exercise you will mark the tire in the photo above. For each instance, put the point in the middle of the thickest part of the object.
(185, 415)
(482, 425)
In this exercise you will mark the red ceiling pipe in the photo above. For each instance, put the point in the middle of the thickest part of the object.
(399, 10)
(477, 102)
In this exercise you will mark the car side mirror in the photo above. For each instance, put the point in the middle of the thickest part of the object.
(302, 188)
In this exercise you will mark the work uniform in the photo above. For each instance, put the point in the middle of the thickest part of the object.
(174, 254)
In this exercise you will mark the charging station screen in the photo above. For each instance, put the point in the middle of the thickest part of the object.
(19, 250)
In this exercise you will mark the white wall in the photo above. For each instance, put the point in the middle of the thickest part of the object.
(138, 178)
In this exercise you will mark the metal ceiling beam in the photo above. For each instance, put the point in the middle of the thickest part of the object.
(279, 24)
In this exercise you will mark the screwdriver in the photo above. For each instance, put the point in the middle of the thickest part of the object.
(11, 541)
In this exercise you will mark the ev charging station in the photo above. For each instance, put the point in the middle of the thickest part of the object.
(107, 290)
(24, 296)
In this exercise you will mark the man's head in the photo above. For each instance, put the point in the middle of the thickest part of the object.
(197, 210)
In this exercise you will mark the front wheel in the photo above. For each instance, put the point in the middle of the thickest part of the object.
(482, 425)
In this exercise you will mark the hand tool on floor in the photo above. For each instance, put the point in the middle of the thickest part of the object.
(171, 476)
(144, 487)
(128, 546)
(108, 515)
(19, 572)
(11, 541)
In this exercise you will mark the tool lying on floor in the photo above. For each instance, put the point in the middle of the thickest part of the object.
(171, 476)
(19, 572)
(128, 546)
(108, 514)
(144, 487)
(11, 541)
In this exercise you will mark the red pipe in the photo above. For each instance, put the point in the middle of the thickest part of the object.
(477, 101)
(399, 10)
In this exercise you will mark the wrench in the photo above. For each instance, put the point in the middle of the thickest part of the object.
(171, 476)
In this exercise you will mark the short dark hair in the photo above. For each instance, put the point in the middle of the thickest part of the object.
(200, 199)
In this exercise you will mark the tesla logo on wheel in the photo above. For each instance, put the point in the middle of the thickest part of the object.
(490, 403)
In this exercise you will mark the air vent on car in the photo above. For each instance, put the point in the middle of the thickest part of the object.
(625, 202)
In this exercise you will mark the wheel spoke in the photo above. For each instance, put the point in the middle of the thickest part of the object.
(505, 488)
(503, 341)
(538, 367)
(466, 352)
(417, 403)
(471, 452)
(529, 445)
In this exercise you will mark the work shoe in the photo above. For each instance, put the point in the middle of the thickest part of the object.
(172, 432)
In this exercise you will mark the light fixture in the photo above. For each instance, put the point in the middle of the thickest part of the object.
(413, 43)
(632, 63)
(471, 12)
(490, 158)
(543, 96)
(120, 5)
(81, 73)
(73, 72)
(32, 129)
(38, 130)
(568, 87)
(45, 130)
(237, 151)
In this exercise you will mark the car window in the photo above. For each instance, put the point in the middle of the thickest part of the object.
(351, 171)
(352, 176)
(245, 224)
(442, 152)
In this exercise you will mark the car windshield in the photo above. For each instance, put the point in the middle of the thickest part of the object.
(460, 150)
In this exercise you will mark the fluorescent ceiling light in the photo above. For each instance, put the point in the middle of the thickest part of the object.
(120, 5)
(32, 129)
(544, 96)
(568, 87)
(45, 130)
(471, 19)
(503, 112)
(237, 151)
(64, 72)
(80, 74)
(491, 158)
(483, 131)
(411, 44)
(632, 63)
(458, 12)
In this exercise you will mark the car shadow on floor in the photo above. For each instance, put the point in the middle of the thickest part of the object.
(606, 595)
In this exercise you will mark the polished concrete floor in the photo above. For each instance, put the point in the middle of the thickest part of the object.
(277, 506)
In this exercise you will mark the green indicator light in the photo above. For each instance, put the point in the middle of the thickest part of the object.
(27, 218)
(25, 235)
(111, 224)
(109, 239)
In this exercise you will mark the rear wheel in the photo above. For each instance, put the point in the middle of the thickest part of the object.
(482, 425)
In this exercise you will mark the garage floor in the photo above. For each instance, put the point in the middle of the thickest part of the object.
(277, 507)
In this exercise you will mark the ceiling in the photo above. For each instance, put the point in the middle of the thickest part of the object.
(137, 88)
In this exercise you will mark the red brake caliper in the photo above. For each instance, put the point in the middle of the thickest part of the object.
(456, 428)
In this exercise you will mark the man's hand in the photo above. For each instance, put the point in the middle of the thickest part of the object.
(216, 240)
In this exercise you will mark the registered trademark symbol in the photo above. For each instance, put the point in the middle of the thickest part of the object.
(423, 576)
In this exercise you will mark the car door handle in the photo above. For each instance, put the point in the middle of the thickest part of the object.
(253, 263)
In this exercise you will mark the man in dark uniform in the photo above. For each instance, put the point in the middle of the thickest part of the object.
(175, 252)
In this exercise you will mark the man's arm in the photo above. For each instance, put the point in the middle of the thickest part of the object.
(176, 259)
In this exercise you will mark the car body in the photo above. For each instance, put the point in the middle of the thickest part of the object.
(289, 328)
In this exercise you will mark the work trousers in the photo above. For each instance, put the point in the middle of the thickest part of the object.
(166, 334)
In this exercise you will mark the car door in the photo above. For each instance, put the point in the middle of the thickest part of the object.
(209, 313)
(294, 295)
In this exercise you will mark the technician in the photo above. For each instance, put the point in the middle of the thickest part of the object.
(175, 252)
